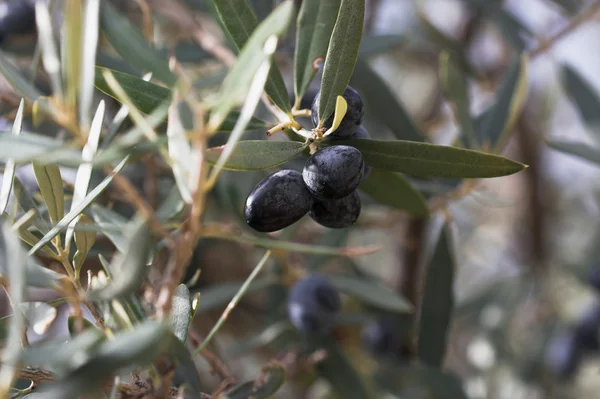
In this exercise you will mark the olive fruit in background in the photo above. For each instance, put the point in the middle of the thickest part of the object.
(353, 118)
(382, 336)
(594, 278)
(563, 355)
(587, 327)
(313, 304)
(278, 201)
(334, 172)
(336, 213)
(17, 17)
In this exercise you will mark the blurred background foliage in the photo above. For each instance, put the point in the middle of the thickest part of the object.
(521, 247)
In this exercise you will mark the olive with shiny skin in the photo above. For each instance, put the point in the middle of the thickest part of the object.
(277, 202)
(351, 121)
(336, 213)
(360, 134)
(334, 172)
(313, 304)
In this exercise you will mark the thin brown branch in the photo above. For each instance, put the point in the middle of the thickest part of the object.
(215, 363)
(409, 284)
(574, 23)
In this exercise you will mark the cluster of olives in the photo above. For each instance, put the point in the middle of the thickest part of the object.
(568, 349)
(327, 187)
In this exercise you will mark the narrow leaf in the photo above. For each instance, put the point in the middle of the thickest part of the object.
(252, 100)
(17, 80)
(456, 90)
(9, 167)
(371, 292)
(339, 372)
(128, 269)
(382, 104)
(252, 55)
(180, 152)
(50, 57)
(13, 261)
(314, 27)
(394, 190)
(430, 160)
(111, 224)
(71, 40)
(581, 150)
(91, 16)
(341, 55)
(85, 241)
(239, 20)
(30, 147)
(75, 212)
(187, 369)
(145, 96)
(84, 172)
(131, 45)
(257, 154)
(493, 126)
(584, 96)
(125, 352)
(51, 187)
(438, 302)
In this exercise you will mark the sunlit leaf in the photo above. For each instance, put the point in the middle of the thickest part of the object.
(51, 187)
(84, 172)
(9, 167)
(39, 315)
(181, 313)
(75, 212)
(13, 261)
